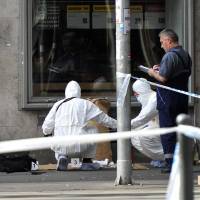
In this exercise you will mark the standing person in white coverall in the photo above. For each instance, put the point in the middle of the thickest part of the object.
(147, 118)
(70, 116)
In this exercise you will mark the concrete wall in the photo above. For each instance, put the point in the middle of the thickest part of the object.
(13, 123)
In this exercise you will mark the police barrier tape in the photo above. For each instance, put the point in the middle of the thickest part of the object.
(168, 88)
(173, 189)
(40, 143)
(123, 89)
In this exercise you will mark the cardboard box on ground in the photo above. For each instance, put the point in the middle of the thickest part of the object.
(103, 150)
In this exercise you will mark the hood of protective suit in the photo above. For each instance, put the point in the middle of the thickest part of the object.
(143, 89)
(72, 90)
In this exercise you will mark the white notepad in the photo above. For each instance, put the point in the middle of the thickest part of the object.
(143, 68)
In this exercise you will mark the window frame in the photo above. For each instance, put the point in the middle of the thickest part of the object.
(25, 58)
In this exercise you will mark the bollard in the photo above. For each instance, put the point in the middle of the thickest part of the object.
(185, 153)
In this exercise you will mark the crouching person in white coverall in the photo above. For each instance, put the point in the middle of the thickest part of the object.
(70, 116)
(147, 118)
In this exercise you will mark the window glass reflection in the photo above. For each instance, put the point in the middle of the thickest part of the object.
(75, 40)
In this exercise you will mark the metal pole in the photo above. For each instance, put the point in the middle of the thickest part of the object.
(186, 189)
(124, 164)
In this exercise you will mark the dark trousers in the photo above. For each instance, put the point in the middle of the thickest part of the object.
(168, 119)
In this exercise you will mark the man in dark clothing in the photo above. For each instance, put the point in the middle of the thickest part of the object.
(173, 71)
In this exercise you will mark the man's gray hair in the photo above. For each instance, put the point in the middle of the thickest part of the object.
(169, 33)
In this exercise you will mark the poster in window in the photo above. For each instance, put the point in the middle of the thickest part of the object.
(137, 17)
(103, 17)
(78, 16)
(154, 17)
(46, 16)
(126, 20)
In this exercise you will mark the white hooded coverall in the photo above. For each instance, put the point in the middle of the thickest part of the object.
(147, 119)
(71, 119)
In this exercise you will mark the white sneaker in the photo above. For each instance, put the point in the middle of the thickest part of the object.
(157, 163)
(34, 166)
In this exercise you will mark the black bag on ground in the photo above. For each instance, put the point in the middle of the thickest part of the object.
(15, 162)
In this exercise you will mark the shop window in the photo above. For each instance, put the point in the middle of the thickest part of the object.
(75, 40)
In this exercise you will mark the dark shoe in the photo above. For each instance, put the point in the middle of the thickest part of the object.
(62, 164)
(165, 170)
(90, 166)
(87, 160)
